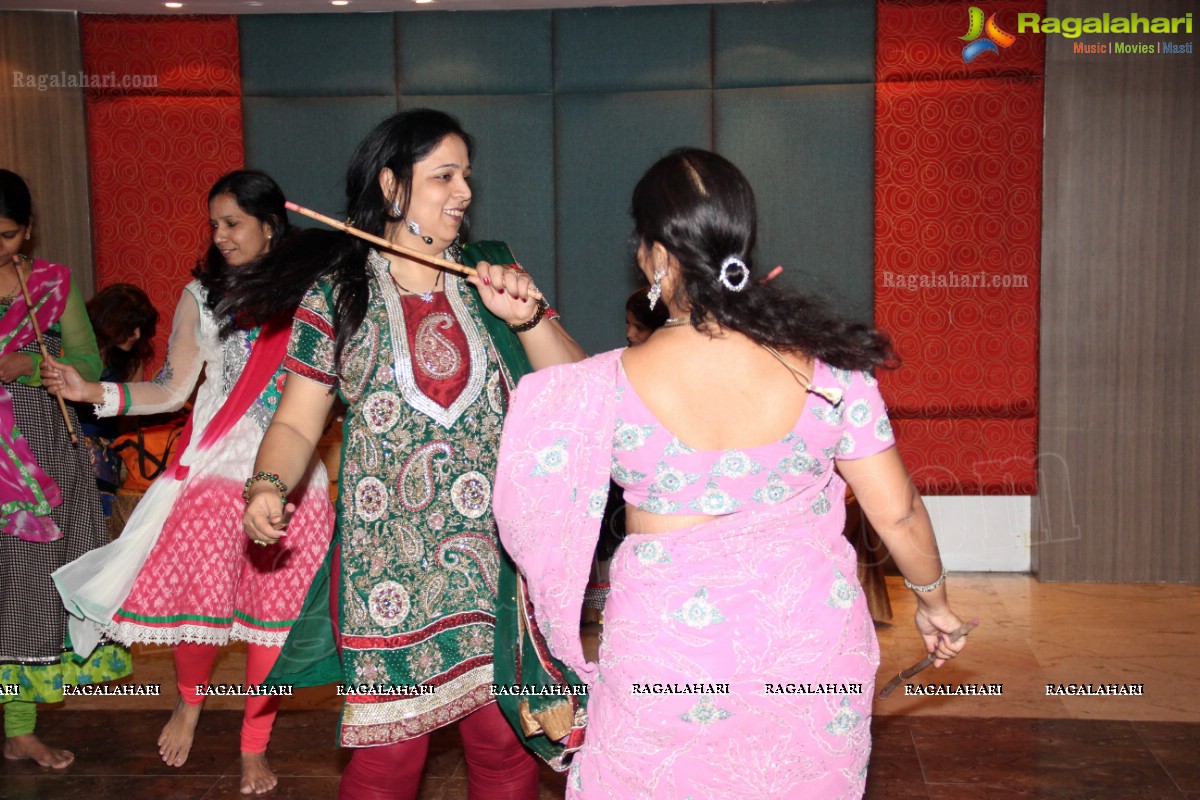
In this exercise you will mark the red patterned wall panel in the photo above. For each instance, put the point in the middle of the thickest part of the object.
(920, 40)
(958, 187)
(183, 55)
(970, 456)
(154, 152)
(958, 207)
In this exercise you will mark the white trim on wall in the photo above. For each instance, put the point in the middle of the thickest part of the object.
(983, 534)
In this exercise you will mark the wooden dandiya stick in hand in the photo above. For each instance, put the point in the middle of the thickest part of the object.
(379, 241)
(37, 332)
(909, 673)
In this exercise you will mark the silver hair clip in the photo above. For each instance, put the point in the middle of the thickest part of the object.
(734, 261)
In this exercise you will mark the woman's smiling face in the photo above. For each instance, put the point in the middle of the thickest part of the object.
(239, 236)
(440, 191)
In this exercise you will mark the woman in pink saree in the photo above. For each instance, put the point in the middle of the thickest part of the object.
(738, 657)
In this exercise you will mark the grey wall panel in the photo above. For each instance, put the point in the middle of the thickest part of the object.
(305, 143)
(569, 107)
(317, 54)
(632, 49)
(513, 173)
(809, 153)
(604, 144)
(503, 52)
(791, 44)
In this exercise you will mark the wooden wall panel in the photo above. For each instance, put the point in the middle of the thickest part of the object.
(43, 136)
(1120, 369)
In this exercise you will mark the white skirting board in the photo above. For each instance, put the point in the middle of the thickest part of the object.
(983, 534)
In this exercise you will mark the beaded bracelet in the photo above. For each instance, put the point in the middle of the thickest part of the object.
(532, 322)
(269, 477)
(929, 587)
(594, 595)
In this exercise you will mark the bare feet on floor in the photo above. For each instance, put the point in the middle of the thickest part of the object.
(257, 777)
(175, 741)
(28, 745)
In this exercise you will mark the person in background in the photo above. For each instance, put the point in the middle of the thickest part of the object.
(641, 320)
(125, 322)
(724, 429)
(49, 510)
(181, 573)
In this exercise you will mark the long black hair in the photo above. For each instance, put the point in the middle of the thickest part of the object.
(116, 312)
(397, 143)
(700, 207)
(15, 202)
(257, 195)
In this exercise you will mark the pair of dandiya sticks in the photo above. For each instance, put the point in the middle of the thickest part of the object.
(901, 678)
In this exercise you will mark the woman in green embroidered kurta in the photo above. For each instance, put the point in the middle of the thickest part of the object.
(420, 361)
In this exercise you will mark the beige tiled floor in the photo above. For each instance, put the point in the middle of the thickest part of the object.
(1021, 744)
(1031, 634)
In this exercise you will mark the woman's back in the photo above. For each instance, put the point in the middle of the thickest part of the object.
(712, 394)
(717, 393)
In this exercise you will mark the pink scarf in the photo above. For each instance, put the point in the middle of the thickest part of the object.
(27, 493)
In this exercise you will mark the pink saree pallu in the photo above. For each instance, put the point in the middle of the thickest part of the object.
(738, 656)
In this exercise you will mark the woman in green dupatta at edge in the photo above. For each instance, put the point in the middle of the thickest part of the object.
(430, 615)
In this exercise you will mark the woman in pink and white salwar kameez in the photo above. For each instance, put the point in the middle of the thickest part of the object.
(738, 656)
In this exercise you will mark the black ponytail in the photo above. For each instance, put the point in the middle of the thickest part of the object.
(701, 208)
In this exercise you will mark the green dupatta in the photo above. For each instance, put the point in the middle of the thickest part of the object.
(553, 699)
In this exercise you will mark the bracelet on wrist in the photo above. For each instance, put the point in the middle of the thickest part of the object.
(532, 322)
(929, 587)
(265, 477)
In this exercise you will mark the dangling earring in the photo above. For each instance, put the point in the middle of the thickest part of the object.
(415, 230)
(397, 211)
(656, 289)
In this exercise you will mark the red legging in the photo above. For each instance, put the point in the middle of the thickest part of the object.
(193, 666)
(498, 766)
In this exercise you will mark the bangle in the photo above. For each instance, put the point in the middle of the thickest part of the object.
(269, 477)
(532, 322)
(929, 587)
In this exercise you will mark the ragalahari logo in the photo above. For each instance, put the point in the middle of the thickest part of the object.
(995, 37)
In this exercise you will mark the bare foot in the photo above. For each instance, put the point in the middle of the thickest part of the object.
(257, 777)
(175, 741)
(28, 745)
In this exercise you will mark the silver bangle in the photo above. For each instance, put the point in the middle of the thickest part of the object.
(110, 405)
(929, 587)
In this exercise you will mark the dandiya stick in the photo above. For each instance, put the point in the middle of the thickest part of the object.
(909, 673)
(62, 404)
(379, 241)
